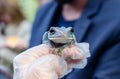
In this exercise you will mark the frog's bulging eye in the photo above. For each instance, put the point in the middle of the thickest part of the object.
(72, 30)
(52, 31)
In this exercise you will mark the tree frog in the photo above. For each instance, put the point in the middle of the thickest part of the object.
(59, 37)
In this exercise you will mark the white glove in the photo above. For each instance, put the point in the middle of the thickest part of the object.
(76, 55)
(40, 63)
(37, 63)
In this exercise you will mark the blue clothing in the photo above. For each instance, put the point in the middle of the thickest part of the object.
(3, 77)
(99, 25)
(62, 22)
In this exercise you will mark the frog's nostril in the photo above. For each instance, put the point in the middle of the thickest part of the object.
(64, 34)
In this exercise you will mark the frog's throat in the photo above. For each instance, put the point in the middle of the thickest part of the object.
(58, 50)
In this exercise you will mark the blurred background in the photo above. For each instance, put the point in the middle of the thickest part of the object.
(16, 18)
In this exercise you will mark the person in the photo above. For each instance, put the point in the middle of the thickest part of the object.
(94, 21)
(14, 32)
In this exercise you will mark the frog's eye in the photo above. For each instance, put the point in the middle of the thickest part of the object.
(52, 31)
(72, 30)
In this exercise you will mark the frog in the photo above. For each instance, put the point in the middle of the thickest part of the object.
(62, 42)
(59, 38)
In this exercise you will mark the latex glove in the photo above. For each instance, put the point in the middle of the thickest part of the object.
(38, 63)
(76, 55)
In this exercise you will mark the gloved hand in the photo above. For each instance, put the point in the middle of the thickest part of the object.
(38, 63)
(76, 55)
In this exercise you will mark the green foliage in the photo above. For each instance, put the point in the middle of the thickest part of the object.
(29, 8)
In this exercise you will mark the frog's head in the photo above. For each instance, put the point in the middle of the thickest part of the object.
(61, 35)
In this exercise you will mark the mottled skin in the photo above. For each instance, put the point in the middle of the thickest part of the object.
(59, 37)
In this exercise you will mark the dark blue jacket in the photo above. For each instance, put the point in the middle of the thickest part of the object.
(99, 26)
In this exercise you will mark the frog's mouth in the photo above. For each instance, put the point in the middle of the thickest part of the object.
(57, 45)
(60, 42)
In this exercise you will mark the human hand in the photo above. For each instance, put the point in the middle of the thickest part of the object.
(76, 55)
(38, 63)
